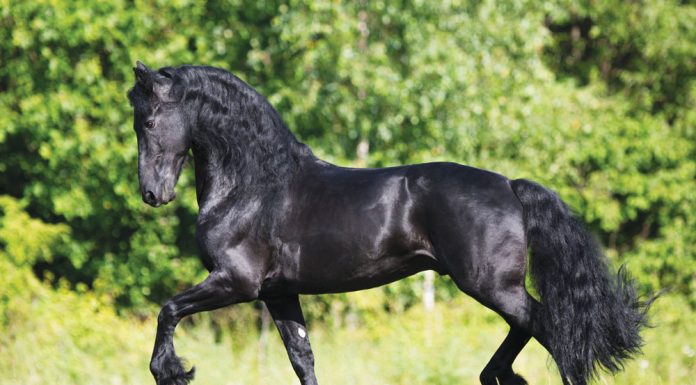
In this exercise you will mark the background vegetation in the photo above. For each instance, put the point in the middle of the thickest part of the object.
(592, 98)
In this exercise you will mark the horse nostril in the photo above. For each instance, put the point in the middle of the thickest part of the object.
(149, 196)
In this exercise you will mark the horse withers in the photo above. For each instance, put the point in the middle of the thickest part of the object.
(275, 222)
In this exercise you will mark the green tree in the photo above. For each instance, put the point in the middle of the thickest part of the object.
(501, 85)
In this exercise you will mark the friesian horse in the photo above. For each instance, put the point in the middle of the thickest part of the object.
(275, 222)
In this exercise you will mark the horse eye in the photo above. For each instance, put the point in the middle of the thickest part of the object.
(150, 123)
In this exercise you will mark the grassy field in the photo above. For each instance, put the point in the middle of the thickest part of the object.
(449, 345)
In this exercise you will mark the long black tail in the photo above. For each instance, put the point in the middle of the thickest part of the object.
(592, 317)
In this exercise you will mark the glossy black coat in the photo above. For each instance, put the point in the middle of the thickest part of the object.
(276, 222)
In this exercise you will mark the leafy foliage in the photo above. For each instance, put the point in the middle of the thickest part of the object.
(595, 100)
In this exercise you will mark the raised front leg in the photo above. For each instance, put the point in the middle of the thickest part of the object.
(287, 315)
(218, 290)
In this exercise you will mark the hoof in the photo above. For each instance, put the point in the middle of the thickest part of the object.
(169, 370)
(182, 378)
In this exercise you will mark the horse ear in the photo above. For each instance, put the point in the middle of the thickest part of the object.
(163, 85)
(142, 73)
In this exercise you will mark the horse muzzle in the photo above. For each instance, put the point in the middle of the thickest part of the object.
(156, 199)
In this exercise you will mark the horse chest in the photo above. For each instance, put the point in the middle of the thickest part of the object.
(227, 240)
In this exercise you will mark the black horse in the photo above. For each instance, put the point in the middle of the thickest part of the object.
(276, 222)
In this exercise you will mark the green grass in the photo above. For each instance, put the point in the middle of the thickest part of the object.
(449, 345)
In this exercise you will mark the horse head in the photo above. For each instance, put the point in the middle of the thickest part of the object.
(164, 135)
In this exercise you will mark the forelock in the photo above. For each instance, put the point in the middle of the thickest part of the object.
(138, 97)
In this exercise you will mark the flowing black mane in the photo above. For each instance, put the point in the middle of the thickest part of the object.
(238, 130)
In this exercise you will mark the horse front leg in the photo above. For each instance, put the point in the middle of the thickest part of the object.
(287, 315)
(216, 291)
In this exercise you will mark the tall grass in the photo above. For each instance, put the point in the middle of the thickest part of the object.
(449, 345)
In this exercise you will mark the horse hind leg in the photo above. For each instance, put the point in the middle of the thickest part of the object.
(500, 365)
(516, 306)
(495, 278)
(521, 311)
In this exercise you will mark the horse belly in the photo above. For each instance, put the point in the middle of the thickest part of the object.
(339, 241)
(341, 267)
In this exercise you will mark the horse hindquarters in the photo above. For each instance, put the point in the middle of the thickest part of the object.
(479, 236)
(589, 318)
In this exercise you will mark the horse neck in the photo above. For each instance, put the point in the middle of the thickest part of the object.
(240, 143)
(247, 171)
